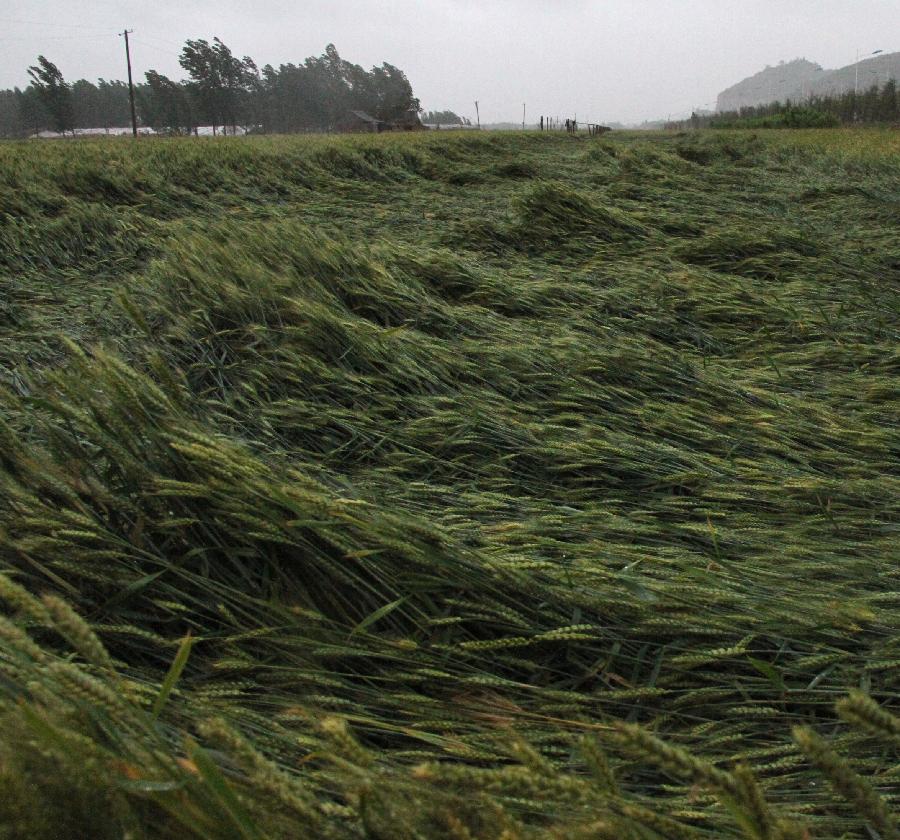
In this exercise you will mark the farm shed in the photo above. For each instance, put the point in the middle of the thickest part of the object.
(361, 122)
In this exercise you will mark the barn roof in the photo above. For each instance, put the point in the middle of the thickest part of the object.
(364, 116)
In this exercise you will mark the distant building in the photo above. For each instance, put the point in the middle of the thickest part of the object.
(449, 127)
(120, 131)
(359, 122)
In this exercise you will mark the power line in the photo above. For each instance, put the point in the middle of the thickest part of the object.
(32, 38)
(154, 47)
(105, 33)
(43, 23)
(163, 41)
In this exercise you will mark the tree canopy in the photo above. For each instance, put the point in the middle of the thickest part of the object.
(220, 90)
(878, 104)
(445, 118)
(54, 94)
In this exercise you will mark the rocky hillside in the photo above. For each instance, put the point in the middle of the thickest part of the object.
(800, 78)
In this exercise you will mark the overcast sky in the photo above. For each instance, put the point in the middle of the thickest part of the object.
(605, 60)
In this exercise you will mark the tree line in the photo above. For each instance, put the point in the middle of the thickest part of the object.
(444, 118)
(879, 104)
(221, 90)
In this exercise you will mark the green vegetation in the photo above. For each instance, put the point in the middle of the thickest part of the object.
(457, 485)
(222, 91)
(878, 105)
(444, 118)
(54, 94)
(788, 116)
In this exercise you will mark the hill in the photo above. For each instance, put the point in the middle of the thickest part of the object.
(796, 80)
(465, 484)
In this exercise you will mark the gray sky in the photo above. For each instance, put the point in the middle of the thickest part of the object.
(605, 60)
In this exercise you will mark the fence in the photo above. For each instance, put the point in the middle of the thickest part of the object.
(572, 126)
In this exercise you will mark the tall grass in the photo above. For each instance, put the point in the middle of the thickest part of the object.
(462, 486)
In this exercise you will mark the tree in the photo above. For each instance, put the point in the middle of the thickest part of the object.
(393, 93)
(54, 93)
(11, 122)
(86, 109)
(240, 81)
(165, 105)
(32, 113)
(221, 90)
(199, 60)
(220, 83)
(114, 104)
(329, 88)
(444, 118)
(888, 110)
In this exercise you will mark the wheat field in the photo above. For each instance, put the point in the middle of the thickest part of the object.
(491, 485)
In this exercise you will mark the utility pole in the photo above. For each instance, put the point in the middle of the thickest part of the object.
(523, 116)
(477, 115)
(130, 84)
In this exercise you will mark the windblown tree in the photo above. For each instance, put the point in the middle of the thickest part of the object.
(113, 103)
(294, 98)
(165, 105)
(85, 105)
(221, 90)
(445, 118)
(33, 114)
(101, 105)
(316, 95)
(393, 93)
(11, 121)
(205, 85)
(331, 81)
(240, 81)
(54, 93)
(220, 83)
